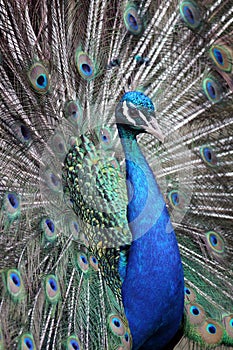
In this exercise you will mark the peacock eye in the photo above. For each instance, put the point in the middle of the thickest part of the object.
(215, 242)
(48, 229)
(59, 146)
(72, 343)
(41, 81)
(94, 262)
(82, 261)
(228, 323)
(132, 20)
(13, 200)
(195, 311)
(50, 225)
(15, 279)
(14, 284)
(126, 337)
(117, 325)
(218, 56)
(75, 224)
(210, 331)
(189, 294)
(22, 133)
(52, 289)
(177, 199)
(190, 13)
(126, 340)
(85, 65)
(208, 155)
(27, 342)
(222, 56)
(211, 328)
(39, 78)
(73, 227)
(73, 112)
(105, 137)
(52, 181)
(213, 89)
(25, 132)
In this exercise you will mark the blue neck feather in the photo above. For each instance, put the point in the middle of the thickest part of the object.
(153, 287)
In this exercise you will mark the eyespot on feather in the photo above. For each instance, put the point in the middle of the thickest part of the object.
(59, 146)
(39, 78)
(211, 332)
(14, 284)
(190, 295)
(208, 155)
(228, 324)
(26, 342)
(222, 56)
(94, 262)
(215, 242)
(132, 19)
(127, 341)
(116, 324)
(82, 262)
(49, 229)
(22, 133)
(212, 89)
(73, 112)
(177, 199)
(12, 205)
(52, 289)
(105, 137)
(195, 313)
(74, 228)
(73, 343)
(85, 65)
(191, 14)
(52, 181)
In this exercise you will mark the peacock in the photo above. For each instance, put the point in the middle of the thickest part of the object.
(116, 137)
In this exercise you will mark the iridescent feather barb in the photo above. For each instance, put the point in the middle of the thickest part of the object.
(88, 255)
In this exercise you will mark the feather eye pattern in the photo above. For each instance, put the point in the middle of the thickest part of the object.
(64, 232)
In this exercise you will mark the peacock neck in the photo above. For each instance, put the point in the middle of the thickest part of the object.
(153, 287)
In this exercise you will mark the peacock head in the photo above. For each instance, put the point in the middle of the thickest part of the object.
(135, 112)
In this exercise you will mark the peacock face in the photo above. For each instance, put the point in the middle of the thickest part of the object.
(136, 111)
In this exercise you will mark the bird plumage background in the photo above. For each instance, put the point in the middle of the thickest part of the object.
(64, 232)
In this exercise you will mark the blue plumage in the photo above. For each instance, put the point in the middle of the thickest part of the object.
(153, 288)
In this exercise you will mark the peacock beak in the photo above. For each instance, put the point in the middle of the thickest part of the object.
(154, 129)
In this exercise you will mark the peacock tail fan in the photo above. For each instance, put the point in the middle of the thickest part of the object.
(64, 234)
